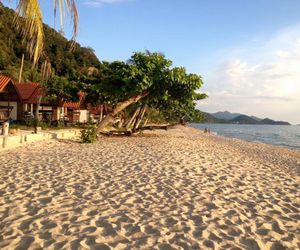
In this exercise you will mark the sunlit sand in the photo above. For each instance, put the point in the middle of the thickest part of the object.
(176, 189)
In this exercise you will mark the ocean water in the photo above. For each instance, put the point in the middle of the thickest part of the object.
(284, 136)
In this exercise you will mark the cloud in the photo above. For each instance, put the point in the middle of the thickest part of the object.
(279, 98)
(262, 80)
(100, 3)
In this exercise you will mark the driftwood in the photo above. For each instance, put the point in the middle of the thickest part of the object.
(130, 132)
(153, 127)
(157, 126)
(117, 132)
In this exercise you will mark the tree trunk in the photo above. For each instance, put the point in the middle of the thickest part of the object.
(145, 123)
(38, 104)
(133, 118)
(101, 113)
(37, 114)
(139, 118)
(21, 68)
(119, 107)
(136, 119)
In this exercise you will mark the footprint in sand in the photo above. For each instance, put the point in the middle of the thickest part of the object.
(45, 200)
(25, 242)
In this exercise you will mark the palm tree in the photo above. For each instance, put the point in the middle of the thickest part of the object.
(31, 23)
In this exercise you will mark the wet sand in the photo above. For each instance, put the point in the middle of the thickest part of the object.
(176, 189)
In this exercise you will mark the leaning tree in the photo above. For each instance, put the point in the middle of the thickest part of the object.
(148, 79)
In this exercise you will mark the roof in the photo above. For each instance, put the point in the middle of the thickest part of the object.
(75, 105)
(4, 80)
(72, 105)
(39, 91)
(26, 89)
(94, 110)
(29, 92)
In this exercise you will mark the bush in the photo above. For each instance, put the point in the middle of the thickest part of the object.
(88, 135)
(14, 126)
(32, 122)
(42, 124)
(60, 124)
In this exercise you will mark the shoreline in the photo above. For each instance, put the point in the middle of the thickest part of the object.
(249, 139)
(175, 189)
(260, 149)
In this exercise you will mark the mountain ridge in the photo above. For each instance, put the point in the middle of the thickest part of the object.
(236, 118)
(225, 115)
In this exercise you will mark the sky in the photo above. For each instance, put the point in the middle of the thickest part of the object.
(247, 51)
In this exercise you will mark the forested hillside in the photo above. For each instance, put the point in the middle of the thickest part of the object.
(57, 51)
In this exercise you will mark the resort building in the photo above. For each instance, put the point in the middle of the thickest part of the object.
(9, 99)
(30, 95)
(76, 112)
(19, 101)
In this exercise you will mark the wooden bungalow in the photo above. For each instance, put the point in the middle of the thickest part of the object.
(76, 112)
(30, 95)
(9, 99)
(18, 101)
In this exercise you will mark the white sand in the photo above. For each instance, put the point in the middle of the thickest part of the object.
(179, 189)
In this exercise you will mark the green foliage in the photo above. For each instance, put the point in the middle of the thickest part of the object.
(42, 124)
(156, 117)
(64, 62)
(14, 126)
(60, 124)
(33, 122)
(171, 91)
(30, 122)
(195, 116)
(88, 134)
(60, 88)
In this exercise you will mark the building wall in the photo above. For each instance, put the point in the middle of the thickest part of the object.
(14, 111)
(56, 114)
(83, 116)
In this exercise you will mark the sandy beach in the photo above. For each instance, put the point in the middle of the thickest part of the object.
(176, 189)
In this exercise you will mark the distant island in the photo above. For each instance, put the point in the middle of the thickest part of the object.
(236, 118)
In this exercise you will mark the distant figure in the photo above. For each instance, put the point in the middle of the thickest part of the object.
(207, 131)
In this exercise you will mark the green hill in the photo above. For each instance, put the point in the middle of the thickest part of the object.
(244, 119)
(238, 119)
(209, 118)
(268, 121)
(57, 50)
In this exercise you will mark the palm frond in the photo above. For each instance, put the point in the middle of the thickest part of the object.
(31, 27)
(72, 9)
(46, 70)
(31, 23)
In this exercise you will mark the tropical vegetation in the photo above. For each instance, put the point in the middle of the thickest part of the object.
(30, 23)
(144, 88)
